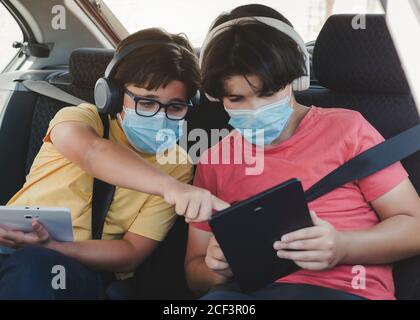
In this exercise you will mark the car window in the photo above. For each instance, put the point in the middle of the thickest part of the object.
(194, 17)
(416, 8)
(13, 33)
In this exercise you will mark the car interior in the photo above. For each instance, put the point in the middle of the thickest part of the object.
(361, 71)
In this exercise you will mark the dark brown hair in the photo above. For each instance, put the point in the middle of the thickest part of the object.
(157, 65)
(251, 49)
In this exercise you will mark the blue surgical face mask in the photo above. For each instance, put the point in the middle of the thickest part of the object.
(151, 134)
(263, 125)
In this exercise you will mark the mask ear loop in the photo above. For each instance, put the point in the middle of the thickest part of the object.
(292, 97)
(120, 120)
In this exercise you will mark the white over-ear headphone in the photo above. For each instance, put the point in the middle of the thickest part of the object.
(299, 84)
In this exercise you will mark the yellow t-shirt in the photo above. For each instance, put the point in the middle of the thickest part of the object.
(55, 181)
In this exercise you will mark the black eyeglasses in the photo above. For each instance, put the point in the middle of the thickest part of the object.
(147, 107)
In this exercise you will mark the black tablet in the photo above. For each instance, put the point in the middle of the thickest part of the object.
(247, 231)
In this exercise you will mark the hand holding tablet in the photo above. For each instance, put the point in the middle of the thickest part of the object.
(247, 231)
(57, 221)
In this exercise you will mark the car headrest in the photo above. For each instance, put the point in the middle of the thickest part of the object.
(358, 60)
(88, 64)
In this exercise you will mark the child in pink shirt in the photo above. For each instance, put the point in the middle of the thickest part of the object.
(359, 228)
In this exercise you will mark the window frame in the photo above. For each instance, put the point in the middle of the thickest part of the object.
(27, 33)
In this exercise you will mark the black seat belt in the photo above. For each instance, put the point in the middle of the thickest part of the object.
(368, 162)
(102, 194)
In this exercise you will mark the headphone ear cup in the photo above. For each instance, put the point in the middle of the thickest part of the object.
(195, 100)
(108, 96)
(302, 83)
(296, 85)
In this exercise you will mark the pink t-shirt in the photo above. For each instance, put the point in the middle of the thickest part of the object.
(325, 139)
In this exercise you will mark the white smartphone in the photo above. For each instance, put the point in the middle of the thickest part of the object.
(56, 220)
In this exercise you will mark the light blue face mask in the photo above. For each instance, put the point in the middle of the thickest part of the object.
(151, 134)
(263, 125)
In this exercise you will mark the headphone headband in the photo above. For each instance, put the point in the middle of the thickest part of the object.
(299, 84)
(119, 57)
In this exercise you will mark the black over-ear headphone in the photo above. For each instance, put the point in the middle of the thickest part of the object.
(109, 91)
